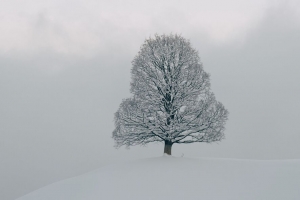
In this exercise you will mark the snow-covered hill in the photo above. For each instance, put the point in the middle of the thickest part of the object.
(174, 178)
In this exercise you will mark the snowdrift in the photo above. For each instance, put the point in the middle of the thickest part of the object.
(174, 178)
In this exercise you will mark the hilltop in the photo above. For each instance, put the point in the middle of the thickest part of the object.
(175, 178)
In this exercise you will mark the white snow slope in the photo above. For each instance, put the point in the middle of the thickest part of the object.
(174, 178)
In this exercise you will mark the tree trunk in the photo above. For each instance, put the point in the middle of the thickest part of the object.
(168, 147)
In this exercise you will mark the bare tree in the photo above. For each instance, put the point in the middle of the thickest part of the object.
(171, 102)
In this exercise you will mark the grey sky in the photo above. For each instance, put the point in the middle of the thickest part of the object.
(65, 67)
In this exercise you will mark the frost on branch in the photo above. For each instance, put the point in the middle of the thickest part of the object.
(172, 101)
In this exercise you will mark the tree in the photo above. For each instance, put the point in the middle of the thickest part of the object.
(172, 101)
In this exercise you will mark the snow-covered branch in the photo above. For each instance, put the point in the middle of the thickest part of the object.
(171, 99)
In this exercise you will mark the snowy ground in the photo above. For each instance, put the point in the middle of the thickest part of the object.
(174, 178)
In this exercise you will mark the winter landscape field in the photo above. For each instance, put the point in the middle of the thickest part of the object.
(176, 178)
(149, 99)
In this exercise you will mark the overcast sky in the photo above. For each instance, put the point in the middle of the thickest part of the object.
(65, 68)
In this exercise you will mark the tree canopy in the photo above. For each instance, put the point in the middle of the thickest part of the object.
(172, 101)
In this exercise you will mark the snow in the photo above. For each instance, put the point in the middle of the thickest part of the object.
(175, 178)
